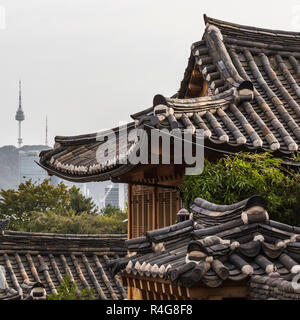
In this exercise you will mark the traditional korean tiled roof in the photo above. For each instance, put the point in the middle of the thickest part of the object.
(75, 158)
(36, 263)
(241, 86)
(253, 82)
(272, 288)
(217, 243)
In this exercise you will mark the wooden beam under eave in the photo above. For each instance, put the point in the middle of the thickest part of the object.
(196, 74)
(179, 291)
(147, 295)
(148, 286)
(164, 288)
(204, 89)
(194, 89)
(217, 293)
(159, 287)
(215, 298)
(197, 86)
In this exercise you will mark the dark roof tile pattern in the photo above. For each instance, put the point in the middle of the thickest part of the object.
(217, 243)
(272, 288)
(78, 158)
(264, 116)
(252, 102)
(33, 260)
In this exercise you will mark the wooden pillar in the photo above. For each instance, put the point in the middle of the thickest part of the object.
(150, 210)
(164, 210)
(136, 294)
(142, 229)
(129, 231)
(155, 209)
(130, 220)
(138, 217)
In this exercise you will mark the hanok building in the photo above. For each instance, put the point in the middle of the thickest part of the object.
(33, 265)
(241, 87)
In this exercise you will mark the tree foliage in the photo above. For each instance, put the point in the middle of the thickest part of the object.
(235, 178)
(79, 203)
(69, 290)
(16, 205)
(77, 224)
(112, 211)
(43, 207)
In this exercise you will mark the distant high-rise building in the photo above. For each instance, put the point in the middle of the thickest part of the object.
(20, 117)
(112, 196)
(116, 195)
(28, 169)
(123, 195)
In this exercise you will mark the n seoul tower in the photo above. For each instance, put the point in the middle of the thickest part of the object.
(20, 116)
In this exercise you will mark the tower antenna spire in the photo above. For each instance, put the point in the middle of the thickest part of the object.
(20, 95)
(20, 117)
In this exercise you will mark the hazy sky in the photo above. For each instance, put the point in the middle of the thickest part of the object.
(87, 64)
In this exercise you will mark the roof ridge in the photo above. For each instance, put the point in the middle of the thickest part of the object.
(62, 235)
(244, 92)
(218, 22)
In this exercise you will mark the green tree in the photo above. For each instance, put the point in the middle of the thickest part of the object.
(111, 210)
(18, 205)
(235, 178)
(69, 290)
(79, 203)
(76, 224)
